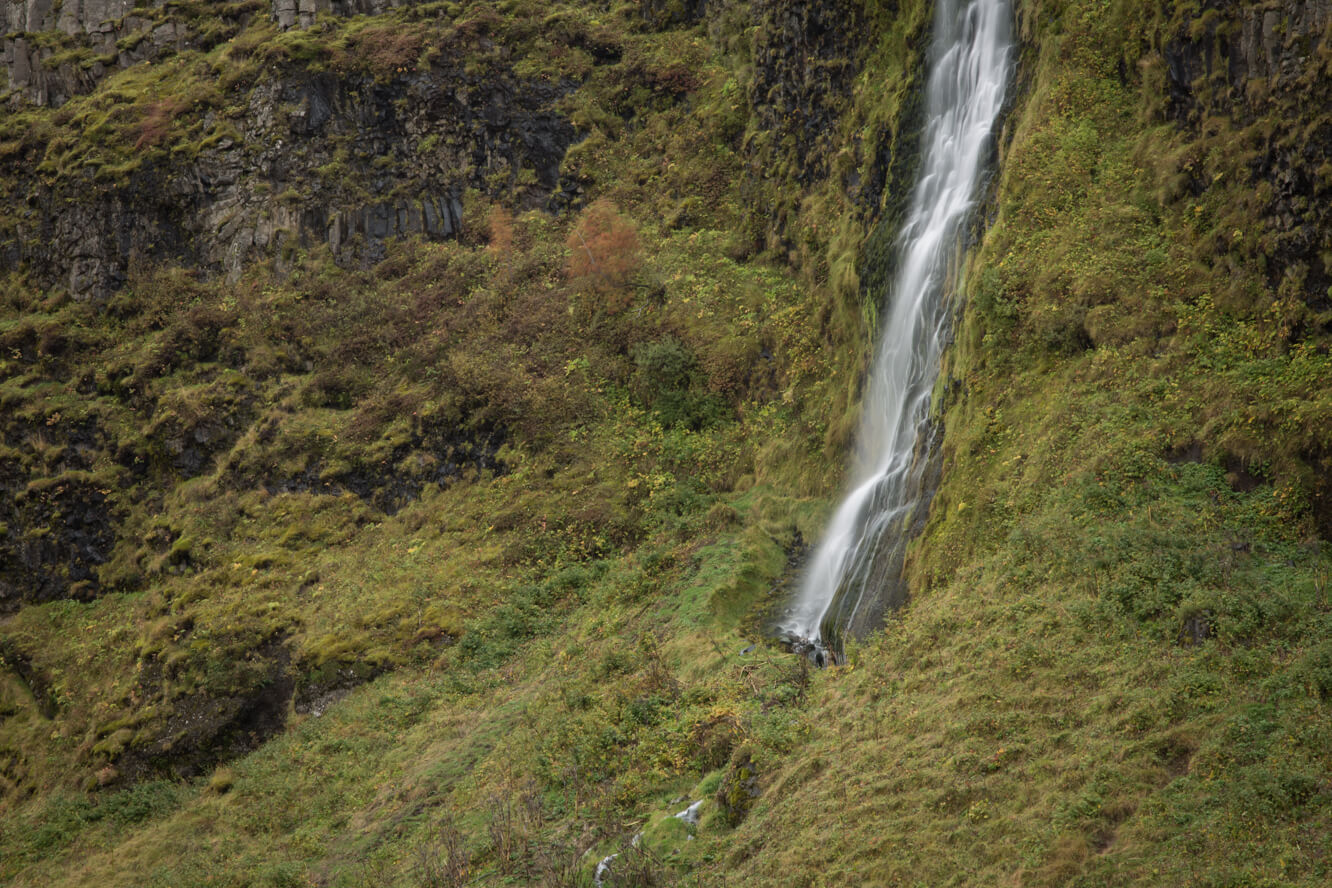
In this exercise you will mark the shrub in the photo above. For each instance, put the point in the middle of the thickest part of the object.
(668, 381)
(157, 121)
(604, 255)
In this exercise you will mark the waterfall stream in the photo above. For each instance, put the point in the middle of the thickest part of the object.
(855, 573)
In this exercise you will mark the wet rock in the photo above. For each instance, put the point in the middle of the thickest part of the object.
(690, 815)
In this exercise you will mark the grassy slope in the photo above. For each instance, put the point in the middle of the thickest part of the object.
(1032, 717)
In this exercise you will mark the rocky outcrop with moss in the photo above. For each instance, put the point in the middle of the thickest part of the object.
(376, 139)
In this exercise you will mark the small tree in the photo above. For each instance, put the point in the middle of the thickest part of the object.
(604, 255)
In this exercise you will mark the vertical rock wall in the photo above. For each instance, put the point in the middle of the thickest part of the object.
(301, 13)
(54, 51)
(1258, 76)
(413, 144)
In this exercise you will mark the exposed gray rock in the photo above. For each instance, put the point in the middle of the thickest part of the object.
(690, 815)
(90, 16)
(1245, 43)
(112, 34)
(280, 184)
(301, 13)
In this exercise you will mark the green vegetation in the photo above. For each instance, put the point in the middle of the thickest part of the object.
(438, 572)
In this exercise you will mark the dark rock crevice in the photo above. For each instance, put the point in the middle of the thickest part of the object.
(206, 728)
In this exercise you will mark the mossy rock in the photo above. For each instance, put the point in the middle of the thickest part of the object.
(739, 788)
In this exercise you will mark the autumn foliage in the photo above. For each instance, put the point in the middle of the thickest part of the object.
(157, 121)
(500, 225)
(604, 255)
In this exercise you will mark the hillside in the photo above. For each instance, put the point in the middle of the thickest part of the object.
(414, 415)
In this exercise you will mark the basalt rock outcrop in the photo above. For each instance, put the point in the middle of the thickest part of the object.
(302, 13)
(53, 51)
(1252, 75)
(1252, 86)
(347, 161)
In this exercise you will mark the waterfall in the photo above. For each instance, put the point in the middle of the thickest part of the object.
(855, 574)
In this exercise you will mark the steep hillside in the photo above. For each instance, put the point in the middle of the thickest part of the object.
(413, 414)
(1114, 667)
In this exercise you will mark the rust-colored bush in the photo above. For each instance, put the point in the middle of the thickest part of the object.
(604, 255)
(156, 122)
(500, 225)
(382, 50)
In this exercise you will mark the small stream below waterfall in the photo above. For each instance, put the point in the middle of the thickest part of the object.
(854, 576)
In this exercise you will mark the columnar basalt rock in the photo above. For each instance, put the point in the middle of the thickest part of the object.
(433, 134)
(55, 51)
(1242, 53)
(302, 13)
(1264, 71)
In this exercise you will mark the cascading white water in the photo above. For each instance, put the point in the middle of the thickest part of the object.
(855, 570)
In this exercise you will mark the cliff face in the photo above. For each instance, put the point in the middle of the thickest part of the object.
(54, 51)
(442, 132)
(275, 294)
(301, 13)
(1249, 88)
(1250, 82)
(300, 160)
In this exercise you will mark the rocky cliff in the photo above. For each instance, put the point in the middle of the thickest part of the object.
(1249, 83)
(303, 159)
(1250, 89)
(53, 51)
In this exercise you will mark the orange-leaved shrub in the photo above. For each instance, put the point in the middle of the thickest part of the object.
(604, 255)
(156, 122)
(500, 225)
